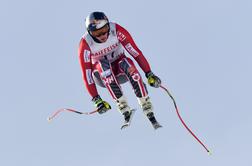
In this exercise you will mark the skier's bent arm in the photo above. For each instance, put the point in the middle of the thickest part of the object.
(128, 43)
(86, 66)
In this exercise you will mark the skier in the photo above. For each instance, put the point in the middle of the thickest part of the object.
(103, 62)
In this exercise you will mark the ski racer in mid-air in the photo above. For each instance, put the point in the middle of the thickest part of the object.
(103, 62)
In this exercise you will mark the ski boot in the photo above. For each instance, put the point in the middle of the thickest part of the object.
(127, 118)
(125, 110)
(146, 105)
(153, 120)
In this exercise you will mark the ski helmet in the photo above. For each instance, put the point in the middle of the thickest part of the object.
(95, 21)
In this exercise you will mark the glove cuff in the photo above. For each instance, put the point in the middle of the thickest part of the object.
(148, 74)
(96, 98)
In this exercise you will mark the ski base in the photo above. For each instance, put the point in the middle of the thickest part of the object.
(156, 125)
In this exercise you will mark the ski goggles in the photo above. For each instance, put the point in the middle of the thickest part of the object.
(101, 32)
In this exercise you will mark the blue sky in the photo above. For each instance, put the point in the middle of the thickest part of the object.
(200, 49)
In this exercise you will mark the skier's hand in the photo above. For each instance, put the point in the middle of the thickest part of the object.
(153, 80)
(102, 106)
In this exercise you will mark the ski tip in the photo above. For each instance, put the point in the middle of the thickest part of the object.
(158, 128)
(124, 126)
(49, 119)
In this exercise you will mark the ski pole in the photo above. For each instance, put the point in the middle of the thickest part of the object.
(177, 110)
(68, 110)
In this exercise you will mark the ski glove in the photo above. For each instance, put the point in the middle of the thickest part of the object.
(153, 80)
(102, 106)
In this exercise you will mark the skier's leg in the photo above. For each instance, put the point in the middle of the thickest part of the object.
(147, 107)
(128, 67)
(107, 75)
(104, 69)
(125, 110)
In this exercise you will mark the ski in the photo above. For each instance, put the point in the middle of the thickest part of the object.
(156, 125)
(127, 122)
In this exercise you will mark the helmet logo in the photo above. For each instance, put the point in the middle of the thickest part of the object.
(100, 23)
(95, 21)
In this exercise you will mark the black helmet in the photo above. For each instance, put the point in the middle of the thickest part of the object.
(95, 21)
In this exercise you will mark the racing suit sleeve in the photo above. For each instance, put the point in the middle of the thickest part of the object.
(128, 43)
(86, 66)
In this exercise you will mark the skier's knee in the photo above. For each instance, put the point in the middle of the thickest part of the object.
(107, 76)
(127, 67)
(106, 73)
